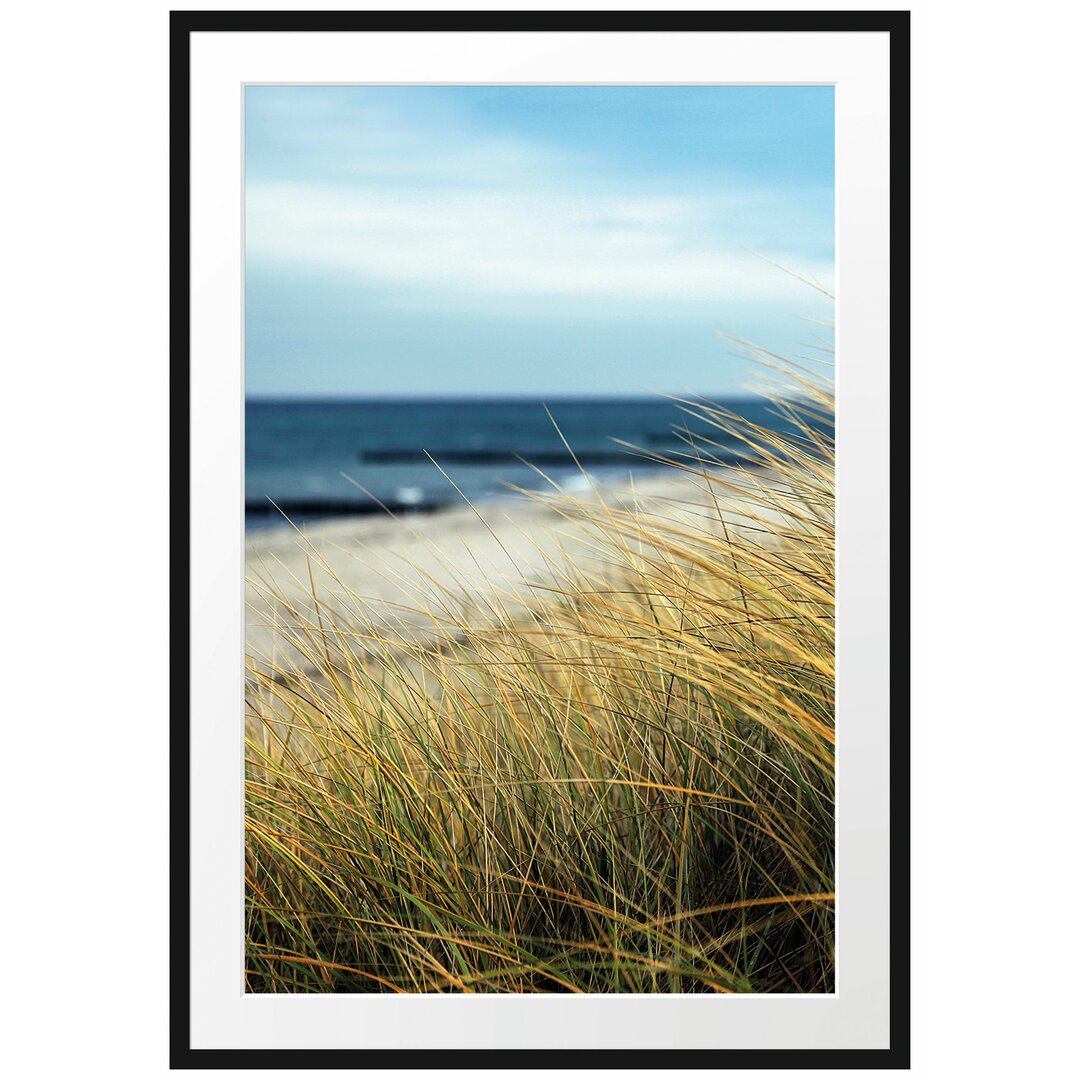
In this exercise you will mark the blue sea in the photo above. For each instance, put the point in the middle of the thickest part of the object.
(299, 453)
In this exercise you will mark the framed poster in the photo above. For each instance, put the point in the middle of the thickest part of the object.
(539, 401)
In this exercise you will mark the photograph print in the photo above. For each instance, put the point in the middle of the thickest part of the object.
(540, 556)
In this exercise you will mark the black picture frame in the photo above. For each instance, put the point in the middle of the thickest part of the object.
(182, 25)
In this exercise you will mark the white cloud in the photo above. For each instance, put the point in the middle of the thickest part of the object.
(582, 244)
(456, 218)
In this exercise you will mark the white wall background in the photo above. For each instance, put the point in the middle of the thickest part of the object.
(84, 406)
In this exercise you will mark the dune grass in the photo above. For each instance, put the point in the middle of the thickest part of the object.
(621, 781)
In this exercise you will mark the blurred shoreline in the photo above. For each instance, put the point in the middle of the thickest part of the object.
(316, 461)
(407, 572)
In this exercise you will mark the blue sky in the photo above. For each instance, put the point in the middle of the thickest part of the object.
(530, 240)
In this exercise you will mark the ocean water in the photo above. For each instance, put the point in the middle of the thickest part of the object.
(299, 453)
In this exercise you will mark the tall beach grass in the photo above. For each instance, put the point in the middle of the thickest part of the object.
(617, 779)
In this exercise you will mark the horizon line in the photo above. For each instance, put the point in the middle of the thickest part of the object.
(495, 399)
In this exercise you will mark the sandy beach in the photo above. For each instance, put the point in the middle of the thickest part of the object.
(408, 574)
